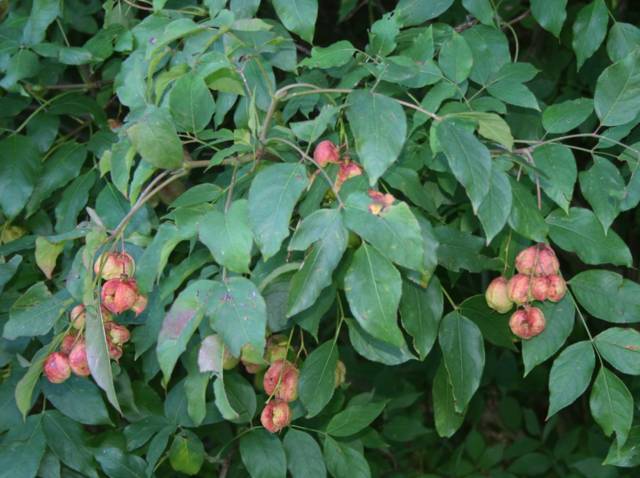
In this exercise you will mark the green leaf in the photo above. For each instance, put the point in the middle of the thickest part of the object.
(559, 166)
(490, 126)
(379, 127)
(43, 13)
(235, 398)
(455, 58)
(481, 9)
(273, 194)
(118, 464)
(623, 39)
(447, 419)
(507, 85)
(66, 396)
(8, 270)
(23, 64)
(155, 138)
(121, 157)
(354, 418)
(463, 353)
(343, 461)
(298, 16)
(496, 206)
(325, 228)
(309, 131)
(376, 350)
(560, 318)
(460, 250)
(98, 353)
(191, 103)
(395, 232)
(304, 457)
(63, 166)
(601, 186)
(74, 199)
(20, 166)
(23, 448)
(565, 116)
(621, 348)
(317, 378)
(490, 49)
(627, 455)
(611, 405)
(469, 160)
(373, 289)
(550, 14)
(570, 375)
(335, 55)
(525, 218)
(181, 322)
(616, 98)
(414, 12)
(580, 232)
(589, 30)
(493, 325)
(195, 389)
(46, 255)
(263, 454)
(186, 454)
(67, 439)
(26, 385)
(35, 312)
(421, 311)
(237, 311)
(228, 236)
(607, 296)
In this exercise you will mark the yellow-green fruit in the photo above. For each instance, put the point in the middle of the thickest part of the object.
(497, 295)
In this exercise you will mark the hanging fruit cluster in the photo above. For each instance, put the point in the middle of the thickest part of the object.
(119, 293)
(538, 279)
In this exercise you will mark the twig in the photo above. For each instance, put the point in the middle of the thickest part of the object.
(139, 7)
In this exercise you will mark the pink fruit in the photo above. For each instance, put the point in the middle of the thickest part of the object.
(381, 202)
(547, 261)
(276, 415)
(115, 351)
(117, 334)
(140, 304)
(348, 170)
(56, 367)
(527, 323)
(526, 260)
(78, 360)
(326, 152)
(276, 348)
(557, 288)
(77, 316)
(518, 288)
(497, 295)
(539, 288)
(113, 265)
(119, 295)
(281, 380)
(67, 344)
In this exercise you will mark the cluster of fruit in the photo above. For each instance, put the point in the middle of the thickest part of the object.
(328, 153)
(119, 293)
(276, 374)
(538, 279)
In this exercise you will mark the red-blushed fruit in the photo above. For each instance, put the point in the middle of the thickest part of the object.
(140, 304)
(557, 288)
(119, 295)
(497, 295)
(518, 288)
(326, 152)
(281, 380)
(381, 202)
(77, 316)
(113, 265)
(527, 323)
(348, 170)
(539, 288)
(276, 348)
(526, 260)
(115, 351)
(117, 334)
(547, 263)
(276, 415)
(78, 360)
(56, 367)
(68, 341)
(340, 374)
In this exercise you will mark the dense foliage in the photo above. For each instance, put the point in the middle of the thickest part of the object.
(253, 238)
